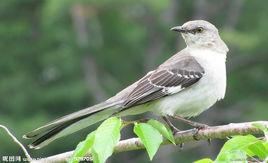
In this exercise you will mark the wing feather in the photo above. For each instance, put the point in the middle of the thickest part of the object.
(182, 73)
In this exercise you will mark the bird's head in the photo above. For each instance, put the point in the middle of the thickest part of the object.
(201, 34)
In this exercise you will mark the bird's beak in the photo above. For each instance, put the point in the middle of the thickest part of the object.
(178, 29)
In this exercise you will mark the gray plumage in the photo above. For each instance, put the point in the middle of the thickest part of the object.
(180, 71)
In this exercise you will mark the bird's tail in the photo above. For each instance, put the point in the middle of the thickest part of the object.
(71, 123)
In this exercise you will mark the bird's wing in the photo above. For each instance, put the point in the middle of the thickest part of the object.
(171, 77)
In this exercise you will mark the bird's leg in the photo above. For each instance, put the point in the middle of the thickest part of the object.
(191, 123)
(195, 135)
(172, 127)
(198, 126)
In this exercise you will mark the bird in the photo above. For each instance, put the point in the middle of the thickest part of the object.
(184, 86)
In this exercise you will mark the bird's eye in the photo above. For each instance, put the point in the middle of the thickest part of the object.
(199, 29)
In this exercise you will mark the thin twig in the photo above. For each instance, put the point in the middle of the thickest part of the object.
(213, 132)
(17, 142)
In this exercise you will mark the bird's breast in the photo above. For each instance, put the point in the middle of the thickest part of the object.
(215, 71)
(201, 95)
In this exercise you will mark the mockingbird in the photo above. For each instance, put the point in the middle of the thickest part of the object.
(185, 85)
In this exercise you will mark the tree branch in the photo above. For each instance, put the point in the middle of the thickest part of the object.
(213, 132)
(17, 142)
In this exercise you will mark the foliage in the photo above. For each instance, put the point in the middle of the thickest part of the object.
(106, 137)
(242, 148)
(205, 160)
(102, 141)
(151, 134)
(163, 129)
(150, 138)
(82, 148)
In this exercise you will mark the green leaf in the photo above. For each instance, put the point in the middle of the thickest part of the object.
(258, 149)
(149, 136)
(266, 145)
(235, 156)
(82, 148)
(164, 130)
(107, 136)
(263, 128)
(245, 144)
(204, 160)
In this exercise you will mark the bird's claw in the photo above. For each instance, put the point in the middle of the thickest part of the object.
(174, 130)
(198, 127)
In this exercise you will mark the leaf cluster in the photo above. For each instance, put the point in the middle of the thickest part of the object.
(243, 148)
(102, 141)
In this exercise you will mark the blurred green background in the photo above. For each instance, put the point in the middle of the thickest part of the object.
(59, 56)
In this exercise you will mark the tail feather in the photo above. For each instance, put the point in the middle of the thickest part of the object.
(47, 137)
(70, 124)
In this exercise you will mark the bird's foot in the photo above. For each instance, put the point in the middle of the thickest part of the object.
(198, 127)
(174, 129)
(171, 126)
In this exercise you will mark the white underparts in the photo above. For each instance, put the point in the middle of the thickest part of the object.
(197, 98)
